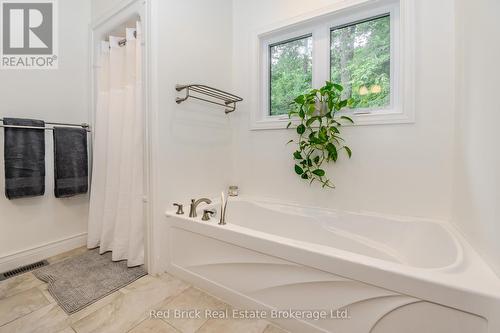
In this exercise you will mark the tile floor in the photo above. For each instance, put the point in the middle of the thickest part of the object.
(27, 307)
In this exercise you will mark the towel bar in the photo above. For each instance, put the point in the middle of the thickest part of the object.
(84, 125)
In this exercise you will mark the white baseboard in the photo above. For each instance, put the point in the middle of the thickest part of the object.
(29, 256)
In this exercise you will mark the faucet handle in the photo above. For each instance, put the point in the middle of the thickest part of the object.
(180, 210)
(207, 213)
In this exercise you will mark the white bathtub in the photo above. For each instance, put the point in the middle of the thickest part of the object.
(391, 274)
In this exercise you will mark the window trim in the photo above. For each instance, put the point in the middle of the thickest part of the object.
(320, 24)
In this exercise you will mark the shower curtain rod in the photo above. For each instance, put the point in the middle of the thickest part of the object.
(83, 125)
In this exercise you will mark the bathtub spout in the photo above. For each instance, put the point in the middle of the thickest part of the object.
(223, 203)
(194, 205)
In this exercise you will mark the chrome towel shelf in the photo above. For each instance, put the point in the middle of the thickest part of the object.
(217, 96)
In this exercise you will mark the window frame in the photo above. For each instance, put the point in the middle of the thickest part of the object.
(320, 25)
(265, 68)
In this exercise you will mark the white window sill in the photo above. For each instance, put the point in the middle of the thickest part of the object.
(280, 122)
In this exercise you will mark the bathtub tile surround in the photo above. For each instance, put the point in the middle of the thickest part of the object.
(370, 267)
(27, 307)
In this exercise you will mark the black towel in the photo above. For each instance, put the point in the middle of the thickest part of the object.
(70, 161)
(24, 156)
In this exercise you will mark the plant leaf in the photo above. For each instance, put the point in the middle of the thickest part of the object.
(297, 155)
(311, 120)
(311, 109)
(338, 137)
(348, 119)
(349, 151)
(298, 170)
(319, 172)
(299, 99)
(301, 129)
(334, 130)
(332, 151)
(338, 87)
(289, 124)
(323, 134)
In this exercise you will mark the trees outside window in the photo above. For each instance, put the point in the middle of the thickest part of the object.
(291, 72)
(361, 62)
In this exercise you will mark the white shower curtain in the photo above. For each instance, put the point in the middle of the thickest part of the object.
(116, 216)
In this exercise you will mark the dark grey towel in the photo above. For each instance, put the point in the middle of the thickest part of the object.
(24, 156)
(70, 161)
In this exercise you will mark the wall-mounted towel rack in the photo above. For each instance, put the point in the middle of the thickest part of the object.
(84, 125)
(219, 97)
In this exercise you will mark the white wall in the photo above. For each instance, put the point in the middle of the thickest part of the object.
(101, 7)
(477, 177)
(396, 169)
(191, 43)
(194, 43)
(51, 95)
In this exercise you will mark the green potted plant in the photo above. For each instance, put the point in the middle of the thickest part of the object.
(317, 125)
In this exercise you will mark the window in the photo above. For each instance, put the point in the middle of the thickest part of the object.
(364, 48)
(361, 61)
(290, 72)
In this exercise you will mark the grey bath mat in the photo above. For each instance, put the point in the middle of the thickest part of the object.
(82, 280)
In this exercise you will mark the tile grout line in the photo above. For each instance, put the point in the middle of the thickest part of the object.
(27, 314)
(169, 298)
(20, 291)
(137, 325)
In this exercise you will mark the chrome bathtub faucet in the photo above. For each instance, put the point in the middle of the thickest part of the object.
(194, 205)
